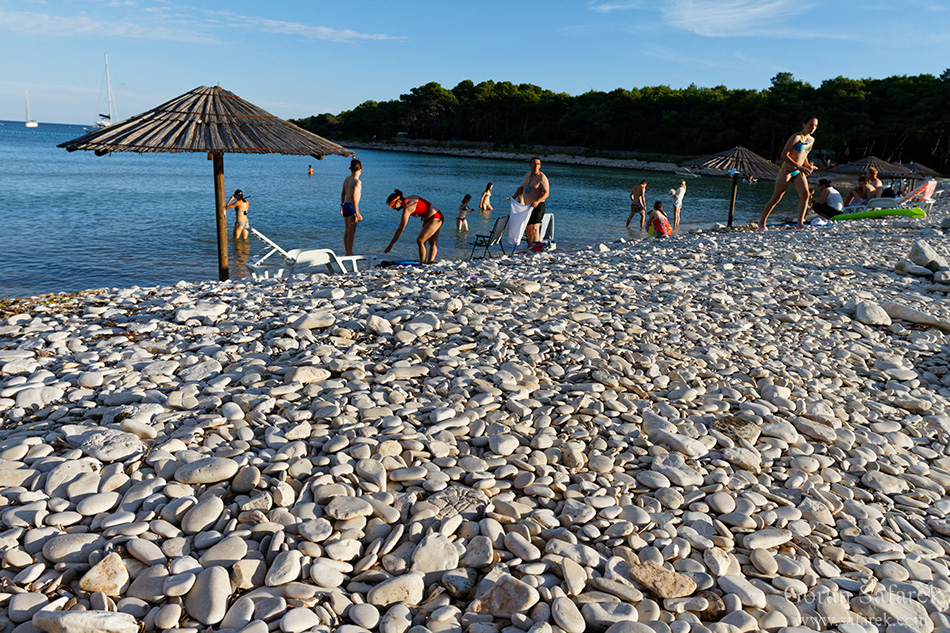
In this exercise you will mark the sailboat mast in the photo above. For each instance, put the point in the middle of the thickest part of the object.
(113, 115)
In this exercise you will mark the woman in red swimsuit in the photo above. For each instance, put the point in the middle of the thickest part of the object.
(431, 223)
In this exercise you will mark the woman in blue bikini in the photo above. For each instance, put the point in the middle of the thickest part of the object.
(795, 168)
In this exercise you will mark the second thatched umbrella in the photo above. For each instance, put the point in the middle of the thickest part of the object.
(735, 162)
(921, 171)
(214, 121)
(884, 168)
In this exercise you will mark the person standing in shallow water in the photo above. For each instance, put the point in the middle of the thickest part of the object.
(795, 168)
(241, 225)
(485, 203)
(534, 190)
(638, 202)
(350, 204)
(432, 220)
(677, 195)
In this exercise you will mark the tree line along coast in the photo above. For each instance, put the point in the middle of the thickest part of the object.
(899, 118)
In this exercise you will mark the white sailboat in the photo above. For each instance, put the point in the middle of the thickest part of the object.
(29, 121)
(105, 120)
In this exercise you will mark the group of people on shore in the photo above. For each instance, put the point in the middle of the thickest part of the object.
(658, 225)
(534, 190)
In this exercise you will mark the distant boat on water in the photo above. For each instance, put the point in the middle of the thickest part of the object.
(686, 172)
(105, 120)
(29, 121)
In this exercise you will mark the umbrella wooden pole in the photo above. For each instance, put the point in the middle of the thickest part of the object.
(732, 198)
(220, 215)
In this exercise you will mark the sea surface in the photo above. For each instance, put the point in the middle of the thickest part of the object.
(76, 221)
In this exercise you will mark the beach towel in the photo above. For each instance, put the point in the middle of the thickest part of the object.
(517, 222)
(659, 227)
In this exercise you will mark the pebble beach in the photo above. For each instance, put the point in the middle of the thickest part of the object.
(720, 432)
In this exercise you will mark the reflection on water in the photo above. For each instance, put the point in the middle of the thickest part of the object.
(242, 251)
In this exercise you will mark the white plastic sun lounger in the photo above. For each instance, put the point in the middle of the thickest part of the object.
(299, 260)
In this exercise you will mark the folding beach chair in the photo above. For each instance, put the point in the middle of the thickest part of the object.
(492, 239)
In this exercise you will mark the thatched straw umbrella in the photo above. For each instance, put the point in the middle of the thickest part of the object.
(735, 162)
(921, 171)
(210, 120)
(884, 168)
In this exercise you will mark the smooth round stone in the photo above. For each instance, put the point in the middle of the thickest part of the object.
(721, 502)
(232, 411)
(344, 508)
(652, 479)
(98, 503)
(146, 551)
(202, 515)
(316, 530)
(413, 473)
(764, 561)
(208, 599)
(567, 615)
(85, 622)
(298, 620)
(406, 588)
(22, 606)
(285, 569)
(364, 615)
(17, 558)
(72, 548)
(767, 538)
(326, 576)
(225, 552)
(503, 444)
(208, 470)
(168, 616)
(246, 479)
(179, 584)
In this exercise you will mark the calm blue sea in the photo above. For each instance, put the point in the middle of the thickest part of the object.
(75, 221)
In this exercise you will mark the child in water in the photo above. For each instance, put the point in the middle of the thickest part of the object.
(461, 223)
(658, 225)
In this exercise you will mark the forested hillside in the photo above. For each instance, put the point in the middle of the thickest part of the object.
(899, 118)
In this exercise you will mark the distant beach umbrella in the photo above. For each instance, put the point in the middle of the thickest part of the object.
(921, 170)
(211, 120)
(884, 168)
(736, 162)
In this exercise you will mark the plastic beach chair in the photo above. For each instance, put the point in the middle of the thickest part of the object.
(492, 239)
(307, 260)
(921, 194)
(300, 260)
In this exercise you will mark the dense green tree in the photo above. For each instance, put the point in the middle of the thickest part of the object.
(896, 118)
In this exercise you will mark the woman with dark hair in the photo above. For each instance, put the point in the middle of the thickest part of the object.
(795, 168)
(485, 203)
(241, 224)
(432, 220)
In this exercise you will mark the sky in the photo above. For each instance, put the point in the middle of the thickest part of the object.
(298, 58)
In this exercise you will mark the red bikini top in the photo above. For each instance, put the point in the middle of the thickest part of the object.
(422, 208)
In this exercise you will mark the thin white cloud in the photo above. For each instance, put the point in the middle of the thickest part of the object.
(166, 21)
(42, 24)
(308, 31)
(731, 18)
(602, 6)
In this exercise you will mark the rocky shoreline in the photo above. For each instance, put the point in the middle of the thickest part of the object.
(719, 432)
(563, 156)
